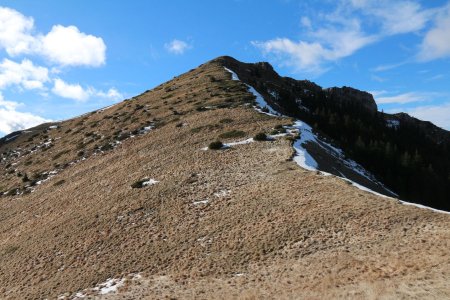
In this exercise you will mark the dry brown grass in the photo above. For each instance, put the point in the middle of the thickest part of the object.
(292, 233)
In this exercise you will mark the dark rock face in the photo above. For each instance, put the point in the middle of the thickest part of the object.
(263, 78)
(353, 95)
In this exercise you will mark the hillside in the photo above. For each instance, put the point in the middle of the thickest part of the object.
(410, 157)
(130, 193)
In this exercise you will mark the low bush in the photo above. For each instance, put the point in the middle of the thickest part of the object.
(261, 136)
(139, 184)
(215, 145)
(59, 182)
(226, 120)
(232, 134)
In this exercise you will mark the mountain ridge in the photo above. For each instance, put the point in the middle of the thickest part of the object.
(130, 198)
(408, 155)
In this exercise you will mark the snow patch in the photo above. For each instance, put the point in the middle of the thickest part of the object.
(110, 286)
(393, 123)
(247, 141)
(149, 182)
(262, 105)
(222, 193)
(303, 158)
(233, 75)
(201, 202)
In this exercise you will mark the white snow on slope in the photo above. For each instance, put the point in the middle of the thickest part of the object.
(247, 141)
(233, 75)
(110, 286)
(303, 158)
(393, 123)
(149, 182)
(261, 103)
(306, 161)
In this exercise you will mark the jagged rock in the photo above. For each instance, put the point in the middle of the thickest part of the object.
(350, 94)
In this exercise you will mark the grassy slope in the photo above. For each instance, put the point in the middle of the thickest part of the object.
(291, 232)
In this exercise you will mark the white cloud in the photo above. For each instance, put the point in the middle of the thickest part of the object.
(329, 44)
(15, 32)
(404, 98)
(12, 120)
(111, 94)
(78, 93)
(65, 46)
(177, 46)
(68, 46)
(24, 74)
(436, 43)
(70, 91)
(437, 114)
(350, 26)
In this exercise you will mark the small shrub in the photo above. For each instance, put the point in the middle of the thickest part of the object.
(139, 184)
(226, 121)
(10, 249)
(290, 138)
(59, 154)
(265, 109)
(25, 178)
(200, 108)
(59, 182)
(215, 145)
(232, 134)
(261, 136)
(273, 132)
(106, 147)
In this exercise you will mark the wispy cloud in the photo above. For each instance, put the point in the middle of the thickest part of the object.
(352, 25)
(387, 67)
(325, 45)
(437, 114)
(177, 46)
(378, 78)
(394, 17)
(435, 77)
(436, 43)
(404, 98)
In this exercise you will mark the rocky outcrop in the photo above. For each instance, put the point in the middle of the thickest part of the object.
(348, 94)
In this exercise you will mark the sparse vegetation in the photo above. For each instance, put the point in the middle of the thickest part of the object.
(226, 121)
(139, 184)
(216, 145)
(232, 134)
(260, 136)
(59, 182)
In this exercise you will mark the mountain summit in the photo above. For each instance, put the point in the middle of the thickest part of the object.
(228, 181)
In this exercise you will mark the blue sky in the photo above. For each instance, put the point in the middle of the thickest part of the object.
(59, 59)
